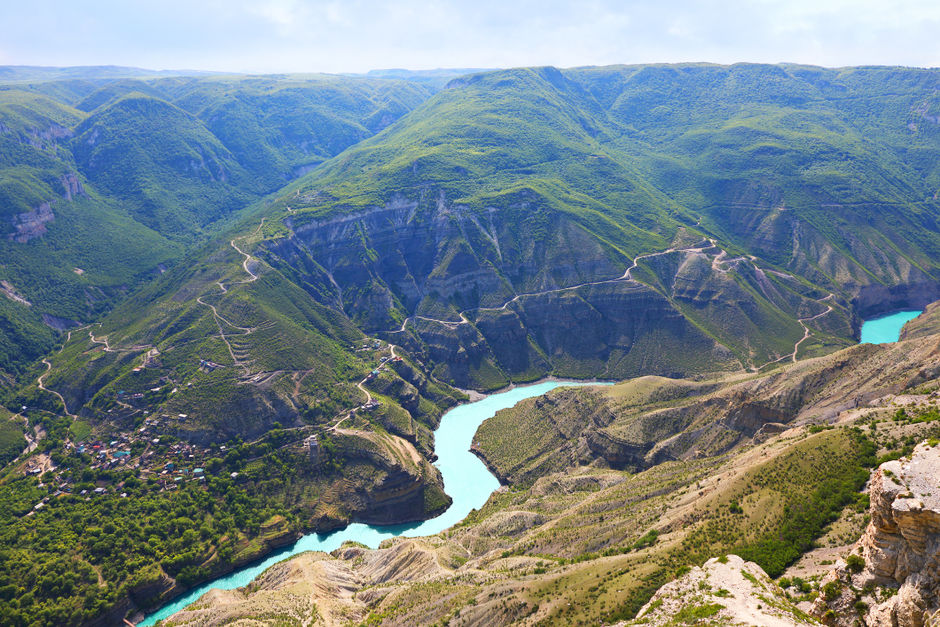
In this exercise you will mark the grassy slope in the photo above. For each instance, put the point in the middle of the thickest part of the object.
(12, 441)
(838, 148)
(88, 232)
(175, 176)
(617, 153)
(155, 177)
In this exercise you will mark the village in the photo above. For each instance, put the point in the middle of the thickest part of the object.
(146, 455)
(150, 452)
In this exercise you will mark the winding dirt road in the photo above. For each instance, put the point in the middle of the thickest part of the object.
(624, 277)
(252, 275)
(721, 263)
(219, 319)
(806, 331)
(42, 387)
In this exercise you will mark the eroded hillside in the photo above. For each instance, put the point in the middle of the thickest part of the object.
(581, 541)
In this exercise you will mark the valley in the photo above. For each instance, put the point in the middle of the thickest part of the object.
(579, 541)
(259, 302)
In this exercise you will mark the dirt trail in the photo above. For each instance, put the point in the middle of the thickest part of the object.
(362, 386)
(254, 277)
(721, 263)
(31, 442)
(624, 277)
(107, 347)
(218, 323)
(806, 331)
(220, 320)
(42, 387)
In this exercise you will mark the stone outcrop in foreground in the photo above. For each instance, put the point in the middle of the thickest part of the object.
(724, 591)
(899, 583)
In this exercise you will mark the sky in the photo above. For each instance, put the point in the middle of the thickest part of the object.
(358, 35)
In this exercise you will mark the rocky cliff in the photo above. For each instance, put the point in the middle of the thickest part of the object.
(892, 576)
(509, 294)
(642, 422)
(30, 224)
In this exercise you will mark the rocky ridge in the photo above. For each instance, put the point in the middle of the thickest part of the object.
(316, 588)
(467, 291)
(645, 421)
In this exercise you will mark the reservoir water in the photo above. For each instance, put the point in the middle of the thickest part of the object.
(466, 479)
(886, 329)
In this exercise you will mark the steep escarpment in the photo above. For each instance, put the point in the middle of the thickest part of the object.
(485, 303)
(67, 251)
(878, 299)
(895, 568)
(646, 421)
(31, 224)
(392, 482)
(924, 325)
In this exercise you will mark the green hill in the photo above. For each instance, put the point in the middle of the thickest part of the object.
(280, 128)
(175, 176)
(98, 199)
(596, 222)
(68, 253)
(532, 180)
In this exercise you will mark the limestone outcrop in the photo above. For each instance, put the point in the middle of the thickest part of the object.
(899, 583)
(30, 224)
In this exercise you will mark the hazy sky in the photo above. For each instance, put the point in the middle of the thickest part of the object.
(357, 35)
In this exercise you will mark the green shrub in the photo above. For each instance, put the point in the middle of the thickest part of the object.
(855, 562)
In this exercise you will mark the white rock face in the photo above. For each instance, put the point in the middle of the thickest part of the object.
(901, 548)
(31, 223)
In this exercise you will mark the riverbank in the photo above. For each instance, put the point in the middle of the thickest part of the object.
(466, 479)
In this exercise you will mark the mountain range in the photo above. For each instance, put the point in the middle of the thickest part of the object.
(221, 266)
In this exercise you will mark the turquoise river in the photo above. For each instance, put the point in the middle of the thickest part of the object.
(886, 329)
(466, 479)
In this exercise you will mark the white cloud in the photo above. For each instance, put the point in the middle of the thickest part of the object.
(356, 35)
(279, 12)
